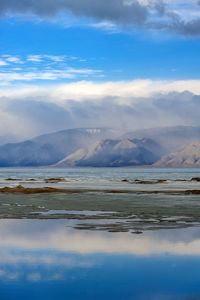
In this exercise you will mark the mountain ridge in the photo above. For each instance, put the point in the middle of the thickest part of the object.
(113, 153)
(49, 148)
(188, 156)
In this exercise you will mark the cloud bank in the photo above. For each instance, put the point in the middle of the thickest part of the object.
(181, 16)
(122, 105)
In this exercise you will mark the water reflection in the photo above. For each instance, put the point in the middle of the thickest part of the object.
(45, 259)
(59, 236)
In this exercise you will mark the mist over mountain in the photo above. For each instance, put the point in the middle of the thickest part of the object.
(50, 148)
(114, 153)
(170, 138)
(8, 139)
(27, 114)
(98, 147)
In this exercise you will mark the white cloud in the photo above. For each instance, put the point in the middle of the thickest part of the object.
(73, 57)
(55, 58)
(3, 63)
(14, 59)
(82, 71)
(51, 74)
(108, 26)
(16, 69)
(34, 58)
(42, 67)
(88, 90)
(41, 57)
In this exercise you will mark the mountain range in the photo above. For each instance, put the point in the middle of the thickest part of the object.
(188, 156)
(114, 153)
(48, 149)
(106, 147)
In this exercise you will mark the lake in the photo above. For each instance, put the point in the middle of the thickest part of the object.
(121, 233)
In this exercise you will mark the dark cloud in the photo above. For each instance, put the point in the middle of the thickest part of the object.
(112, 10)
(120, 12)
(191, 28)
(177, 25)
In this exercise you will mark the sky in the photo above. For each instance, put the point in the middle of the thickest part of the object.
(93, 63)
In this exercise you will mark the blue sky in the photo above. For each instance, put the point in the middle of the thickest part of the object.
(90, 52)
(121, 55)
(101, 50)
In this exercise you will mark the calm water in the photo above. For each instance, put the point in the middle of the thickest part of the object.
(100, 174)
(50, 259)
(98, 177)
(47, 260)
